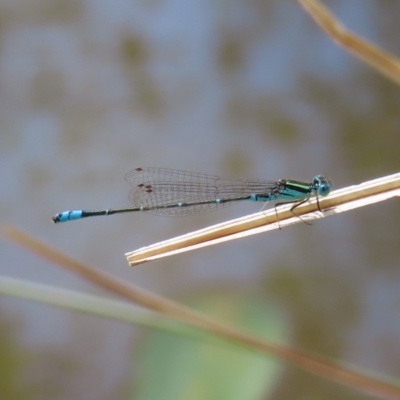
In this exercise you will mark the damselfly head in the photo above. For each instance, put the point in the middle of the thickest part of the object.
(322, 185)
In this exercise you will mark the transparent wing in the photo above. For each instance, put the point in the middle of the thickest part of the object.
(154, 187)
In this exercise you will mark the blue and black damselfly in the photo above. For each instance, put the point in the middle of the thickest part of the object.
(170, 192)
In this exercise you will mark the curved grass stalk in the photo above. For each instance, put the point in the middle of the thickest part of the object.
(377, 58)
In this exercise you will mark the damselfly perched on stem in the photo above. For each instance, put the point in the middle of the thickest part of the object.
(171, 192)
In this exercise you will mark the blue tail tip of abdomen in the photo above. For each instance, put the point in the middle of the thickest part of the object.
(67, 216)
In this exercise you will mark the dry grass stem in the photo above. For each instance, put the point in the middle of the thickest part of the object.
(368, 52)
(315, 364)
(338, 201)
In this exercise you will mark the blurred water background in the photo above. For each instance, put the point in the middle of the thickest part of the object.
(92, 89)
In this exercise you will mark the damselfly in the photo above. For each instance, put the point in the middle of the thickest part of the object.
(170, 192)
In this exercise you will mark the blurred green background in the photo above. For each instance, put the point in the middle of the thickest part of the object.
(92, 89)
